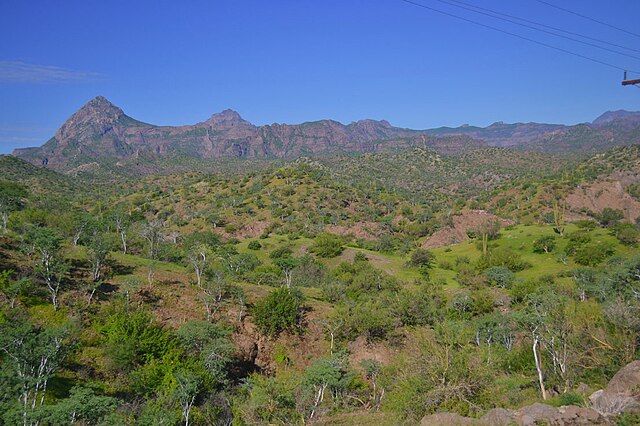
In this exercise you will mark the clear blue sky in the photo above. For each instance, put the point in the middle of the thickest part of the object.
(177, 62)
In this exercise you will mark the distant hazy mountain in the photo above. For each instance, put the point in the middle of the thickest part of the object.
(100, 132)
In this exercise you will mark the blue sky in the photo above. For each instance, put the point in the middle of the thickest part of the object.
(290, 61)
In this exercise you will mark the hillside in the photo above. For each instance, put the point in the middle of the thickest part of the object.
(394, 288)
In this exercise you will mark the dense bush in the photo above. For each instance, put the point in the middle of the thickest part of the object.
(254, 245)
(626, 233)
(593, 254)
(327, 245)
(280, 311)
(502, 257)
(609, 217)
(544, 244)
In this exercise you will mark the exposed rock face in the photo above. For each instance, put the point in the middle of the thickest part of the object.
(462, 223)
(531, 415)
(621, 394)
(440, 419)
(626, 381)
(100, 131)
(498, 417)
(597, 196)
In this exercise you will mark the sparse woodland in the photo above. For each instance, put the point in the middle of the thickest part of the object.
(314, 291)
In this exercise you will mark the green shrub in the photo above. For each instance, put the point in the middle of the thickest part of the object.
(500, 276)
(254, 245)
(280, 311)
(327, 245)
(609, 217)
(502, 257)
(544, 244)
(422, 258)
(626, 233)
(593, 254)
(577, 240)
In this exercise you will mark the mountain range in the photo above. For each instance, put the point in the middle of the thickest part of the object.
(101, 132)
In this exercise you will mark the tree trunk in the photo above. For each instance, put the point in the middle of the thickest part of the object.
(123, 236)
(536, 341)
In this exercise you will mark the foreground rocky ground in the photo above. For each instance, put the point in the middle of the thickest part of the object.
(622, 395)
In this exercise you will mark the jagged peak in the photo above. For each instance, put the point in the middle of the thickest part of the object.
(368, 121)
(100, 104)
(226, 117)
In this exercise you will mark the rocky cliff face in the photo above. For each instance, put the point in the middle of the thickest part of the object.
(100, 131)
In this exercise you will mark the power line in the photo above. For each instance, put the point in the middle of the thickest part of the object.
(560, 49)
(537, 29)
(588, 18)
(548, 26)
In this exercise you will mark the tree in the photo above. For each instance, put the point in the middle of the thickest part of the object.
(593, 254)
(500, 276)
(422, 258)
(211, 343)
(99, 246)
(83, 405)
(331, 325)
(45, 245)
(12, 288)
(372, 370)
(487, 231)
(544, 244)
(237, 263)
(198, 257)
(33, 354)
(327, 373)
(122, 222)
(254, 245)
(215, 289)
(546, 317)
(151, 233)
(186, 389)
(286, 265)
(12, 197)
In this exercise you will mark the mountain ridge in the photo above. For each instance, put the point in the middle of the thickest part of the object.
(101, 131)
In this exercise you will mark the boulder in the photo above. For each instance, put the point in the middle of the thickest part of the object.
(574, 415)
(498, 417)
(626, 381)
(536, 414)
(450, 419)
(612, 403)
(622, 394)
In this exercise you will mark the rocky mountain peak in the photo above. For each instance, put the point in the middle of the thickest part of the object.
(99, 106)
(611, 116)
(226, 118)
(96, 116)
